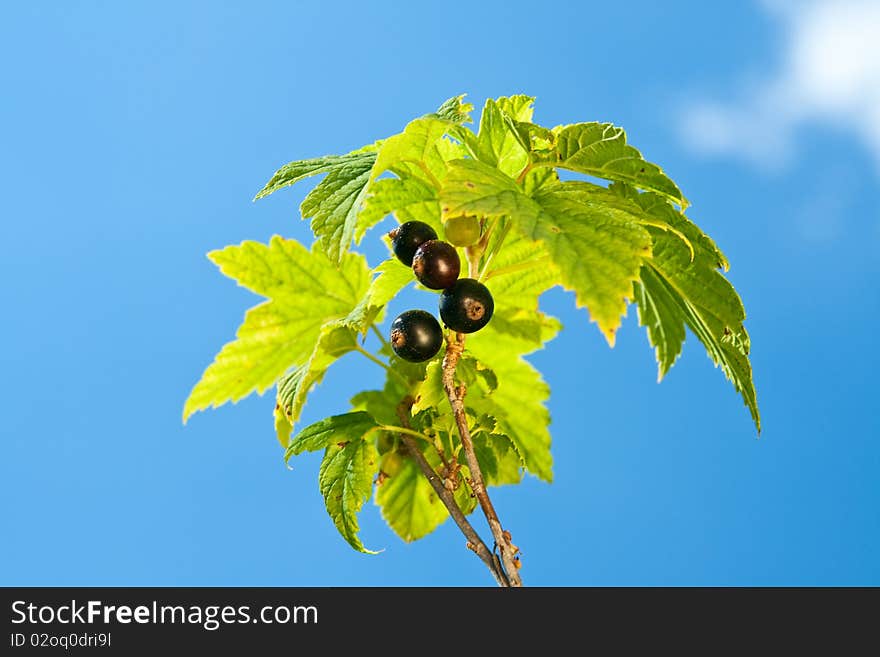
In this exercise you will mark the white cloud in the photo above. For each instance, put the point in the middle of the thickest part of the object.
(828, 72)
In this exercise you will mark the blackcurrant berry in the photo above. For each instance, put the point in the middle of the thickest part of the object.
(436, 264)
(408, 237)
(467, 306)
(462, 231)
(416, 336)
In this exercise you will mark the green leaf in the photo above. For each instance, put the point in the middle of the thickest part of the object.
(498, 143)
(498, 458)
(517, 277)
(334, 430)
(333, 205)
(334, 342)
(597, 247)
(283, 427)
(692, 291)
(346, 480)
(600, 150)
(518, 403)
(659, 312)
(417, 144)
(519, 107)
(382, 404)
(307, 291)
(285, 270)
(454, 110)
(429, 393)
(272, 338)
(293, 172)
(408, 503)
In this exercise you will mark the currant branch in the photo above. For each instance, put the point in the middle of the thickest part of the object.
(455, 394)
(474, 542)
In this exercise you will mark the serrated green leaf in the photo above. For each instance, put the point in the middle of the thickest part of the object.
(346, 480)
(498, 143)
(417, 144)
(285, 270)
(333, 430)
(307, 291)
(498, 458)
(454, 110)
(597, 247)
(520, 273)
(272, 338)
(659, 312)
(601, 150)
(297, 170)
(334, 204)
(517, 404)
(692, 291)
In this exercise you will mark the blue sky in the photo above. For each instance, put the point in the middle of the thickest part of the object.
(134, 136)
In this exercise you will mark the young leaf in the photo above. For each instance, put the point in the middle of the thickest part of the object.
(454, 110)
(307, 291)
(338, 429)
(346, 480)
(600, 150)
(498, 143)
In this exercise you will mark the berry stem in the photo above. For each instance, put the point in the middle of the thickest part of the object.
(400, 430)
(455, 394)
(381, 364)
(380, 336)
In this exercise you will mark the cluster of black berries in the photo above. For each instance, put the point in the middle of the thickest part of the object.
(465, 304)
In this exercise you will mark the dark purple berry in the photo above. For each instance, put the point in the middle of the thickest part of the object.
(408, 237)
(416, 336)
(467, 306)
(436, 264)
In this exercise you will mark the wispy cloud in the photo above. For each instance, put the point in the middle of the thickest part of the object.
(828, 71)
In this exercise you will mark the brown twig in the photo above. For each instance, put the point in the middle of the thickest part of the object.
(474, 542)
(456, 394)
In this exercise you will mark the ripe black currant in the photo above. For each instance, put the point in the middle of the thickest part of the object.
(416, 336)
(436, 264)
(408, 237)
(467, 306)
(462, 231)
